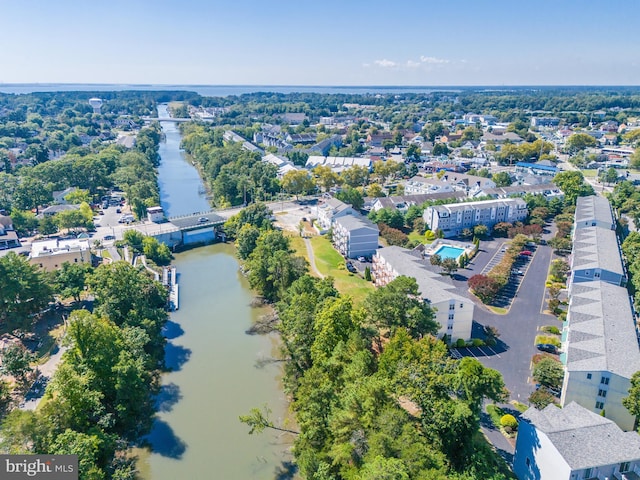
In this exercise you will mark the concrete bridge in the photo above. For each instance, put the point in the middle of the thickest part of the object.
(170, 119)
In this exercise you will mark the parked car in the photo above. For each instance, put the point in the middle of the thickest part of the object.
(362, 259)
(109, 237)
(517, 272)
(547, 347)
(526, 253)
(351, 268)
(118, 210)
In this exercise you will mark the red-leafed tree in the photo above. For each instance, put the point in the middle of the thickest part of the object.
(485, 288)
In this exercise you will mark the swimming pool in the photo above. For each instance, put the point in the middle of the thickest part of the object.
(447, 251)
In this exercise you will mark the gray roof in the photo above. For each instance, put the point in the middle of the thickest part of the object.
(53, 209)
(593, 208)
(431, 285)
(5, 220)
(602, 334)
(511, 190)
(355, 222)
(583, 438)
(335, 205)
(453, 207)
(417, 199)
(595, 247)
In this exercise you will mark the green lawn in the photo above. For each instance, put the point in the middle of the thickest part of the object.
(591, 173)
(331, 263)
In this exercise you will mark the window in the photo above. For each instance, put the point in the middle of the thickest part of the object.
(528, 462)
(624, 467)
(593, 224)
(602, 393)
(452, 306)
(599, 405)
(588, 376)
(461, 305)
(451, 316)
(604, 380)
(588, 472)
(596, 275)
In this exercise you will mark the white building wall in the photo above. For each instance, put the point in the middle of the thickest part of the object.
(544, 459)
(462, 321)
(577, 387)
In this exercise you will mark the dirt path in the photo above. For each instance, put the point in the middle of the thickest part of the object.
(312, 260)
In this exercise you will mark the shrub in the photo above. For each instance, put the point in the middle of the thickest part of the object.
(541, 398)
(460, 343)
(539, 356)
(548, 339)
(477, 342)
(509, 421)
(551, 329)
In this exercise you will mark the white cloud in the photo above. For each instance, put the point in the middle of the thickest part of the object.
(385, 63)
(433, 60)
(423, 61)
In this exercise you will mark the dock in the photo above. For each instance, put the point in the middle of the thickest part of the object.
(170, 280)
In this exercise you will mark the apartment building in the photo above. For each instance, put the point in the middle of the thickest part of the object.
(355, 236)
(453, 312)
(452, 219)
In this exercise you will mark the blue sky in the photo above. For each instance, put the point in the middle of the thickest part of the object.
(330, 42)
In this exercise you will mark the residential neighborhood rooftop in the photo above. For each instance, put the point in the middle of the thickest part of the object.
(602, 334)
(584, 438)
(597, 248)
(593, 208)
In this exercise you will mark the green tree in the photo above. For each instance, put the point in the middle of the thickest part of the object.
(480, 231)
(24, 290)
(381, 468)
(31, 193)
(352, 196)
(501, 179)
(47, 225)
(16, 361)
(355, 176)
(70, 279)
(632, 402)
(580, 141)
(449, 265)
(134, 239)
(325, 177)
(78, 196)
(399, 304)
(247, 240)
(548, 372)
(298, 182)
(572, 185)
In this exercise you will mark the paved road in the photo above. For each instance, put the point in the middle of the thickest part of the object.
(518, 328)
(47, 369)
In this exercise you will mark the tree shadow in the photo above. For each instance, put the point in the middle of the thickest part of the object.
(172, 330)
(167, 397)
(175, 356)
(164, 441)
(285, 471)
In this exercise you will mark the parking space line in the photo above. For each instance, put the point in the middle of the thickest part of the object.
(494, 352)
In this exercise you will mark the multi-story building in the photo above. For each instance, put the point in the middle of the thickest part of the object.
(453, 312)
(355, 236)
(545, 121)
(600, 341)
(420, 185)
(600, 350)
(452, 219)
(330, 210)
(572, 443)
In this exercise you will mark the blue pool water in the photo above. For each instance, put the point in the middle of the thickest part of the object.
(447, 251)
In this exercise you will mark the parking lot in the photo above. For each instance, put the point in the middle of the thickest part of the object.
(505, 297)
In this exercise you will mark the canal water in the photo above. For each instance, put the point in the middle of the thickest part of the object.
(216, 374)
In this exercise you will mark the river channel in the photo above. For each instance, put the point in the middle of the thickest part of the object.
(214, 377)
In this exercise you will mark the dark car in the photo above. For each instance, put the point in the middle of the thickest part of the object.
(351, 268)
(547, 347)
(109, 237)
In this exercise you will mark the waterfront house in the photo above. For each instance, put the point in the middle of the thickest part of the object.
(573, 443)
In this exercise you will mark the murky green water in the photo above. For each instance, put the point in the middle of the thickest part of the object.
(215, 379)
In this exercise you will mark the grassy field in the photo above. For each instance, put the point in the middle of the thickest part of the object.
(591, 173)
(331, 263)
